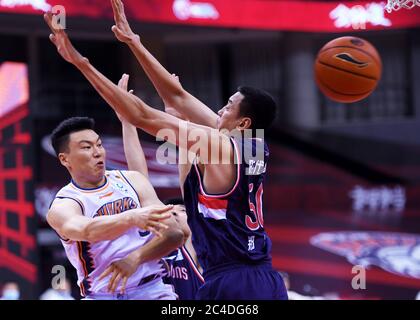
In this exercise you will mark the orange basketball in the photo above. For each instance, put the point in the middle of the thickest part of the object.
(347, 69)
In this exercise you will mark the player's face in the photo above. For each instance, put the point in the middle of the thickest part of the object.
(229, 115)
(181, 217)
(86, 156)
(181, 214)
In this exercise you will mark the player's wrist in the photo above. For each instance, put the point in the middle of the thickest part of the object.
(133, 40)
(81, 62)
(137, 256)
(130, 218)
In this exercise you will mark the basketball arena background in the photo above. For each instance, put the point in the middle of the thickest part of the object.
(343, 185)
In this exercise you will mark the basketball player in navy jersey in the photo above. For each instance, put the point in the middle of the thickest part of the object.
(223, 199)
(184, 272)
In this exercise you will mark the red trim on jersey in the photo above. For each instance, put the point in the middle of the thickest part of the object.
(82, 290)
(83, 262)
(238, 176)
(192, 263)
(212, 203)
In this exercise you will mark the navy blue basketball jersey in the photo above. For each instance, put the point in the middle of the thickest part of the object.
(182, 274)
(228, 229)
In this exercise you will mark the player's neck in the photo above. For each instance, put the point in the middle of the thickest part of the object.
(86, 184)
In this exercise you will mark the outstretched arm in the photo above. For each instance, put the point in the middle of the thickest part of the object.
(132, 147)
(170, 90)
(66, 218)
(132, 108)
(208, 143)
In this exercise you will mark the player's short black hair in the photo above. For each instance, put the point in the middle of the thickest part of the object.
(259, 105)
(174, 201)
(60, 135)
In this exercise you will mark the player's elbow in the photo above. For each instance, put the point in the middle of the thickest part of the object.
(181, 93)
(137, 115)
(177, 99)
(176, 90)
(86, 234)
(90, 234)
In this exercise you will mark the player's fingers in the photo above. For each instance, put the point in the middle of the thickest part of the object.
(126, 77)
(123, 82)
(156, 232)
(162, 209)
(116, 282)
(157, 225)
(160, 216)
(48, 20)
(175, 76)
(48, 17)
(121, 7)
(117, 31)
(161, 225)
(114, 9)
(106, 272)
(131, 91)
(118, 7)
(124, 282)
(52, 38)
(120, 82)
(111, 281)
(119, 34)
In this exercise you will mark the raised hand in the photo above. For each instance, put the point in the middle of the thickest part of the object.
(60, 39)
(121, 270)
(150, 218)
(121, 28)
(171, 110)
(123, 84)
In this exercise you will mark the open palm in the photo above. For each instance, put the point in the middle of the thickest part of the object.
(60, 39)
(121, 28)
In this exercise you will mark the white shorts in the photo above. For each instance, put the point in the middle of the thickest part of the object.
(153, 290)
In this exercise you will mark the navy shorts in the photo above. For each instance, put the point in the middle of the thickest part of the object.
(243, 283)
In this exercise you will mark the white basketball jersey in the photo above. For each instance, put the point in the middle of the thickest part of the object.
(116, 195)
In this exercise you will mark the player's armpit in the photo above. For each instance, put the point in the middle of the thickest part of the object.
(219, 177)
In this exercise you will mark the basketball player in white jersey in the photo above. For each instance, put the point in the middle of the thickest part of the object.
(102, 216)
(186, 285)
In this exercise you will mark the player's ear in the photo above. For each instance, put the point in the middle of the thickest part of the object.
(63, 159)
(244, 123)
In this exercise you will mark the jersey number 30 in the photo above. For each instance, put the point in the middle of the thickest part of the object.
(256, 209)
